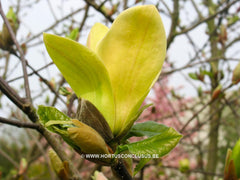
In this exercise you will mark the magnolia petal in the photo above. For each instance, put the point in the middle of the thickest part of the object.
(133, 51)
(84, 71)
(96, 34)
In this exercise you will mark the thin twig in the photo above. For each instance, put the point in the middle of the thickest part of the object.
(84, 18)
(4, 154)
(32, 73)
(53, 25)
(207, 18)
(22, 57)
(98, 9)
(19, 124)
(27, 108)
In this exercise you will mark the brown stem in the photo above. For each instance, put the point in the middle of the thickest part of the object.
(120, 171)
(19, 123)
(98, 8)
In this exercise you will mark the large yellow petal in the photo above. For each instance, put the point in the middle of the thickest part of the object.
(84, 72)
(96, 34)
(133, 51)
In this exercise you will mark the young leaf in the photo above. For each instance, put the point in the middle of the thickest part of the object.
(47, 114)
(73, 34)
(193, 76)
(140, 165)
(236, 157)
(149, 128)
(130, 123)
(159, 144)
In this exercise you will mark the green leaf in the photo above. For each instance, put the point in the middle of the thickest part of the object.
(11, 15)
(140, 165)
(73, 34)
(130, 123)
(85, 73)
(149, 128)
(47, 114)
(232, 19)
(236, 157)
(193, 76)
(159, 144)
(56, 121)
(208, 73)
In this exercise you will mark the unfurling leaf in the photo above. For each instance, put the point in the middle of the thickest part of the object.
(78, 135)
(47, 114)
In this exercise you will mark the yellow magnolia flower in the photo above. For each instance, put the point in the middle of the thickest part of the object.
(117, 69)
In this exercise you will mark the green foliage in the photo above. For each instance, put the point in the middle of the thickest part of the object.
(73, 34)
(149, 128)
(193, 76)
(11, 15)
(47, 114)
(39, 171)
(159, 144)
(161, 141)
(236, 157)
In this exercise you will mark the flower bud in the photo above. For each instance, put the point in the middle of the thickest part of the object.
(98, 176)
(217, 92)
(60, 168)
(5, 38)
(184, 165)
(87, 138)
(236, 74)
(236, 157)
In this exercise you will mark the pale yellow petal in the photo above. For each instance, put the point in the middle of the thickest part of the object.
(133, 51)
(96, 34)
